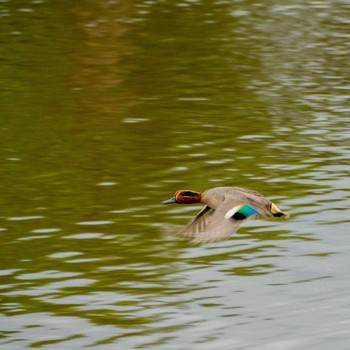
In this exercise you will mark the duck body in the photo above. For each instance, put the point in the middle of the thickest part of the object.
(226, 208)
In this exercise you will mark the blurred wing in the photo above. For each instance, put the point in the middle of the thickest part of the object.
(226, 220)
(199, 222)
(218, 233)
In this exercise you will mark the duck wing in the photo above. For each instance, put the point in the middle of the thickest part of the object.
(225, 220)
(198, 223)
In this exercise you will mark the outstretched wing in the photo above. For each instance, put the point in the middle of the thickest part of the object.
(198, 223)
(226, 220)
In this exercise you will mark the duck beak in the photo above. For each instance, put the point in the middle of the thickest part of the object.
(276, 212)
(170, 201)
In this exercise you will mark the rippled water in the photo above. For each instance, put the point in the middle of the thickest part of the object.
(108, 108)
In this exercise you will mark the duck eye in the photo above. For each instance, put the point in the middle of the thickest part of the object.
(189, 194)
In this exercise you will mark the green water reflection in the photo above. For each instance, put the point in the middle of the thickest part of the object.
(107, 108)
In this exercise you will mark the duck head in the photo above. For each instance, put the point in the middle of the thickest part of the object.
(185, 197)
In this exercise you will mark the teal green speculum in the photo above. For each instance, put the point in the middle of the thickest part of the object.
(244, 212)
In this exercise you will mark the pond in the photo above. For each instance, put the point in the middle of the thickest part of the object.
(109, 107)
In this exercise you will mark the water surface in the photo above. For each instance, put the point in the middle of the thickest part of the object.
(109, 107)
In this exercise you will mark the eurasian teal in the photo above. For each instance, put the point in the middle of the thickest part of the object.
(225, 210)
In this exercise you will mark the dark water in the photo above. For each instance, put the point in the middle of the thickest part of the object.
(107, 108)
